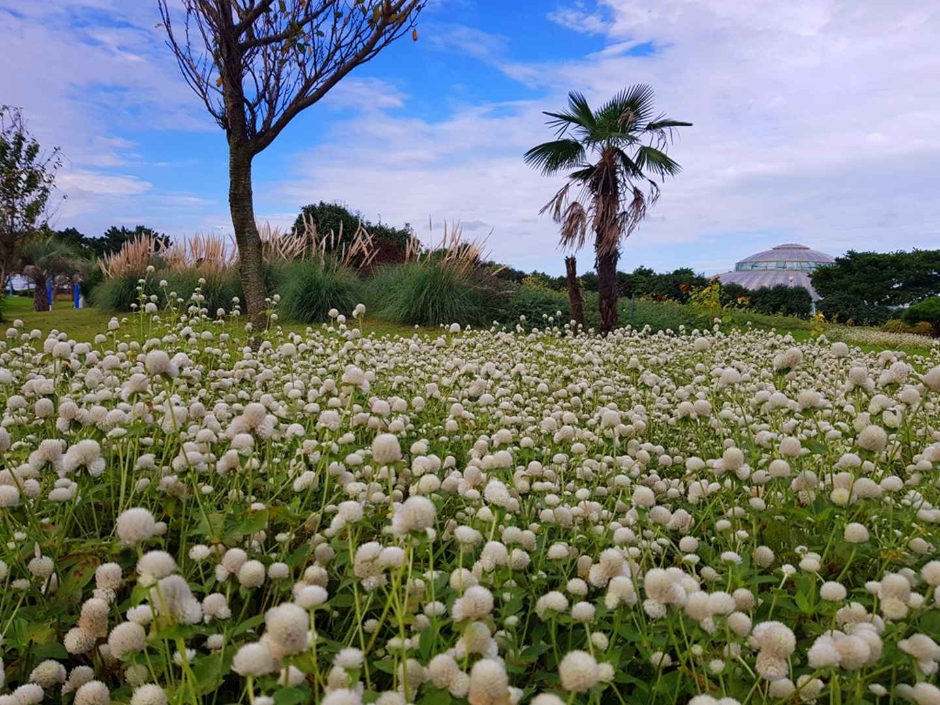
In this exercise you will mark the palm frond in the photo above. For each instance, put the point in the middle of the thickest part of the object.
(662, 123)
(584, 175)
(628, 111)
(552, 157)
(630, 168)
(574, 226)
(631, 217)
(663, 130)
(558, 203)
(650, 160)
(577, 115)
(628, 141)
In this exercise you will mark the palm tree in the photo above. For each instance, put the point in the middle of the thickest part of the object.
(46, 258)
(616, 155)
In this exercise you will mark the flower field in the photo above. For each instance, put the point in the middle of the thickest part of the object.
(488, 517)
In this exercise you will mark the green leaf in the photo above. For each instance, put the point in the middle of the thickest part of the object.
(292, 696)
(248, 624)
(211, 525)
(427, 640)
(208, 672)
(50, 651)
(251, 524)
(435, 697)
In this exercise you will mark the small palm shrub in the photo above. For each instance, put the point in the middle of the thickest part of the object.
(310, 288)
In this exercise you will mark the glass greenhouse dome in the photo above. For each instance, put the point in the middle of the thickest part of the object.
(789, 264)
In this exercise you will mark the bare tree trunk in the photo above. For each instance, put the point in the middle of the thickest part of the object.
(575, 303)
(250, 261)
(607, 290)
(40, 295)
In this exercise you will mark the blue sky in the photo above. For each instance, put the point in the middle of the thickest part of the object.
(815, 122)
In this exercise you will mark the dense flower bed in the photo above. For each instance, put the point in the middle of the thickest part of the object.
(487, 517)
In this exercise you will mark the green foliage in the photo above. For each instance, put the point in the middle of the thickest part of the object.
(111, 241)
(927, 311)
(120, 293)
(27, 178)
(309, 289)
(47, 259)
(589, 281)
(878, 280)
(663, 315)
(782, 300)
(845, 307)
(218, 289)
(92, 278)
(539, 280)
(51, 255)
(343, 223)
(707, 299)
(507, 273)
(431, 293)
(536, 304)
(734, 296)
(674, 286)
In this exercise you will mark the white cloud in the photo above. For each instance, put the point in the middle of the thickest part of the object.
(85, 183)
(576, 18)
(485, 46)
(365, 94)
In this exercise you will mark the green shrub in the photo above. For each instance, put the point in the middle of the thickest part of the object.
(896, 325)
(782, 300)
(926, 311)
(535, 303)
(661, 315)
(90, 280)
(218, 289)
(309, 289)
(846, 308)
(431, 293)
(734, 295)
(120, 293)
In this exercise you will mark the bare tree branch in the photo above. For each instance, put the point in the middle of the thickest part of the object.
(269, 60)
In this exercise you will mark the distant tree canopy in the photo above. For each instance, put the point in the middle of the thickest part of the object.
(863, 287)
(781, 300)
(338, 219)
(110, 242)
(643, 282)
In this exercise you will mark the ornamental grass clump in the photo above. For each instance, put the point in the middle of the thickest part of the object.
(487, 517)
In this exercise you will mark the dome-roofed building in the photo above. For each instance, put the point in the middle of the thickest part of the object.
(789, 264)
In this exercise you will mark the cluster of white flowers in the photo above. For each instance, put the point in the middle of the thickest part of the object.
(488, 517)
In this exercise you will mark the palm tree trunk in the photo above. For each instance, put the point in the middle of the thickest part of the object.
(575, 303)
(40, 295)
(250, 261)
(607, 290)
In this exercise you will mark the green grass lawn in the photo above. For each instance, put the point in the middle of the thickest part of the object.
(84, 324)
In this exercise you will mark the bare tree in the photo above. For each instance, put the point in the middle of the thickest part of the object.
(256, 64)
